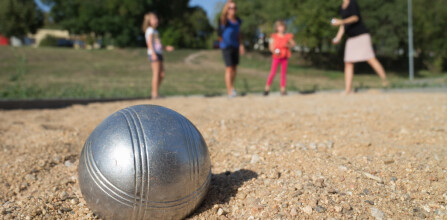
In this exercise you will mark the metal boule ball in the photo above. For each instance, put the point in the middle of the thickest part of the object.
(144, 162)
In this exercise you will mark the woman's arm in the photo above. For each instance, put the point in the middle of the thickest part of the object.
(341, 32)
(350, 20)
(241, 45)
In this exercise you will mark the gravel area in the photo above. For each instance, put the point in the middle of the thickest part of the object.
(365, 156)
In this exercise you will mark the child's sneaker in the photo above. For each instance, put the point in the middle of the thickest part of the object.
(232, 96)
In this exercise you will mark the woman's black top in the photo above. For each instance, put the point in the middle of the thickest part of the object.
(357, 28)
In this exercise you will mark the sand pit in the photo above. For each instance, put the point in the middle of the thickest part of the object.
(317, 156)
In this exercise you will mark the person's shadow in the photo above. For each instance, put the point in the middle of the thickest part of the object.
(223, 187)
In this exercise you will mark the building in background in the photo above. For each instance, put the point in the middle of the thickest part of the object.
(43, 33)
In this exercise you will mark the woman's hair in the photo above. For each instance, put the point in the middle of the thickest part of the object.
(279, 23)
(147, 20)
(224, 15)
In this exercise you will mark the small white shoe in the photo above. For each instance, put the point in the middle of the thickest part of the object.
(234, 93)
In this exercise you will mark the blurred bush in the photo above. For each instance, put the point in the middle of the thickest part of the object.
(171, 36)
(49, 41)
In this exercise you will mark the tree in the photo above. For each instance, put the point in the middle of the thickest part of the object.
(430, 20)
(312, 20)
(119, 19)
(191, 30)
(258, 16)
(19, 17)
(122, 19)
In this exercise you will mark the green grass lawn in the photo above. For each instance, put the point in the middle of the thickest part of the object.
(30, 73)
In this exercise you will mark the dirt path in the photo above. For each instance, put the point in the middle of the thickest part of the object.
(308, 157)
(206, 60)
(192, 58)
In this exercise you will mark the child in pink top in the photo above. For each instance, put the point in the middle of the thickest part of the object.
(279, 46)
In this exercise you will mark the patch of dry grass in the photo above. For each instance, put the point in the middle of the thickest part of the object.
(67, 73)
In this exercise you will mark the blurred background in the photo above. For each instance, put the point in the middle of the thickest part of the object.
(96, 49)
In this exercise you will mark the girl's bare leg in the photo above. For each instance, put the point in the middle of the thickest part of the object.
(283, 90)
(155, 79)
(233, 76)
(349, 75)
(228, 71)
(230, 76)
(377, 66)
(162, 73)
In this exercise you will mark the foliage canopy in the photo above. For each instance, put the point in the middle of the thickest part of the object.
(19, 17)
(180, 24)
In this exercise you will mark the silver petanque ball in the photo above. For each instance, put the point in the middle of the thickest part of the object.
(144, 162)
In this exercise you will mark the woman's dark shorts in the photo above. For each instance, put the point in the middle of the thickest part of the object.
(159, 58)
(231, 56)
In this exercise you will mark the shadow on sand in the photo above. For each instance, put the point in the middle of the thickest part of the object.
(309, 91)
(223, 187)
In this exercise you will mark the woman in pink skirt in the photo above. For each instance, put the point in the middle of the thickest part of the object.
(358, 46)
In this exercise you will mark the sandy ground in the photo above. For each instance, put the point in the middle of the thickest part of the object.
(320, 156)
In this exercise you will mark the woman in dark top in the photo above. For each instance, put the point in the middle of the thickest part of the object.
(230, 43)
(358, 46)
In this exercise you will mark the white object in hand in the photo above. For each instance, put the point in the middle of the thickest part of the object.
(333, 20)
(335, 40)
(277, 51)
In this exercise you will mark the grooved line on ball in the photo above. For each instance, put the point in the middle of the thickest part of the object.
(188, 146)
(193, 147)
(102, 183)
(147, 163)
(196, 150)
(143, 162)
(128, 202)
(185, 200)
(106, 186)
(196, 154)
(135, 148)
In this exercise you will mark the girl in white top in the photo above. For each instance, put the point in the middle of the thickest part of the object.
(154, 51)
